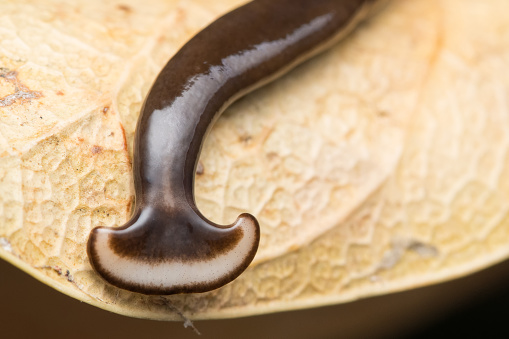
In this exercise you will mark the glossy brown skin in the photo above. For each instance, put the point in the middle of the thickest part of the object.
(235, 54)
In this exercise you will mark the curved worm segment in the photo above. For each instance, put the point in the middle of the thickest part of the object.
(168, 246)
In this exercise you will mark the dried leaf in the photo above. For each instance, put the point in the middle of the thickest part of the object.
(378, 166)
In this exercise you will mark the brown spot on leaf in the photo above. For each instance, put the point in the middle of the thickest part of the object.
(245, 138)
(96, 149)
(124, 8)
(60, 93)
(21, 92)
(272, 155)
(106, 109)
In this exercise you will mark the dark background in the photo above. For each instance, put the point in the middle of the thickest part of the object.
(472, 307)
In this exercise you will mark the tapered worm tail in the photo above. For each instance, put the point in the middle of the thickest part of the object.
(168, 246)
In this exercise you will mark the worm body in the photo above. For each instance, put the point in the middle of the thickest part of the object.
(168, 246)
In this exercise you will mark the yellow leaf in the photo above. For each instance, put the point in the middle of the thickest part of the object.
(378, 166)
